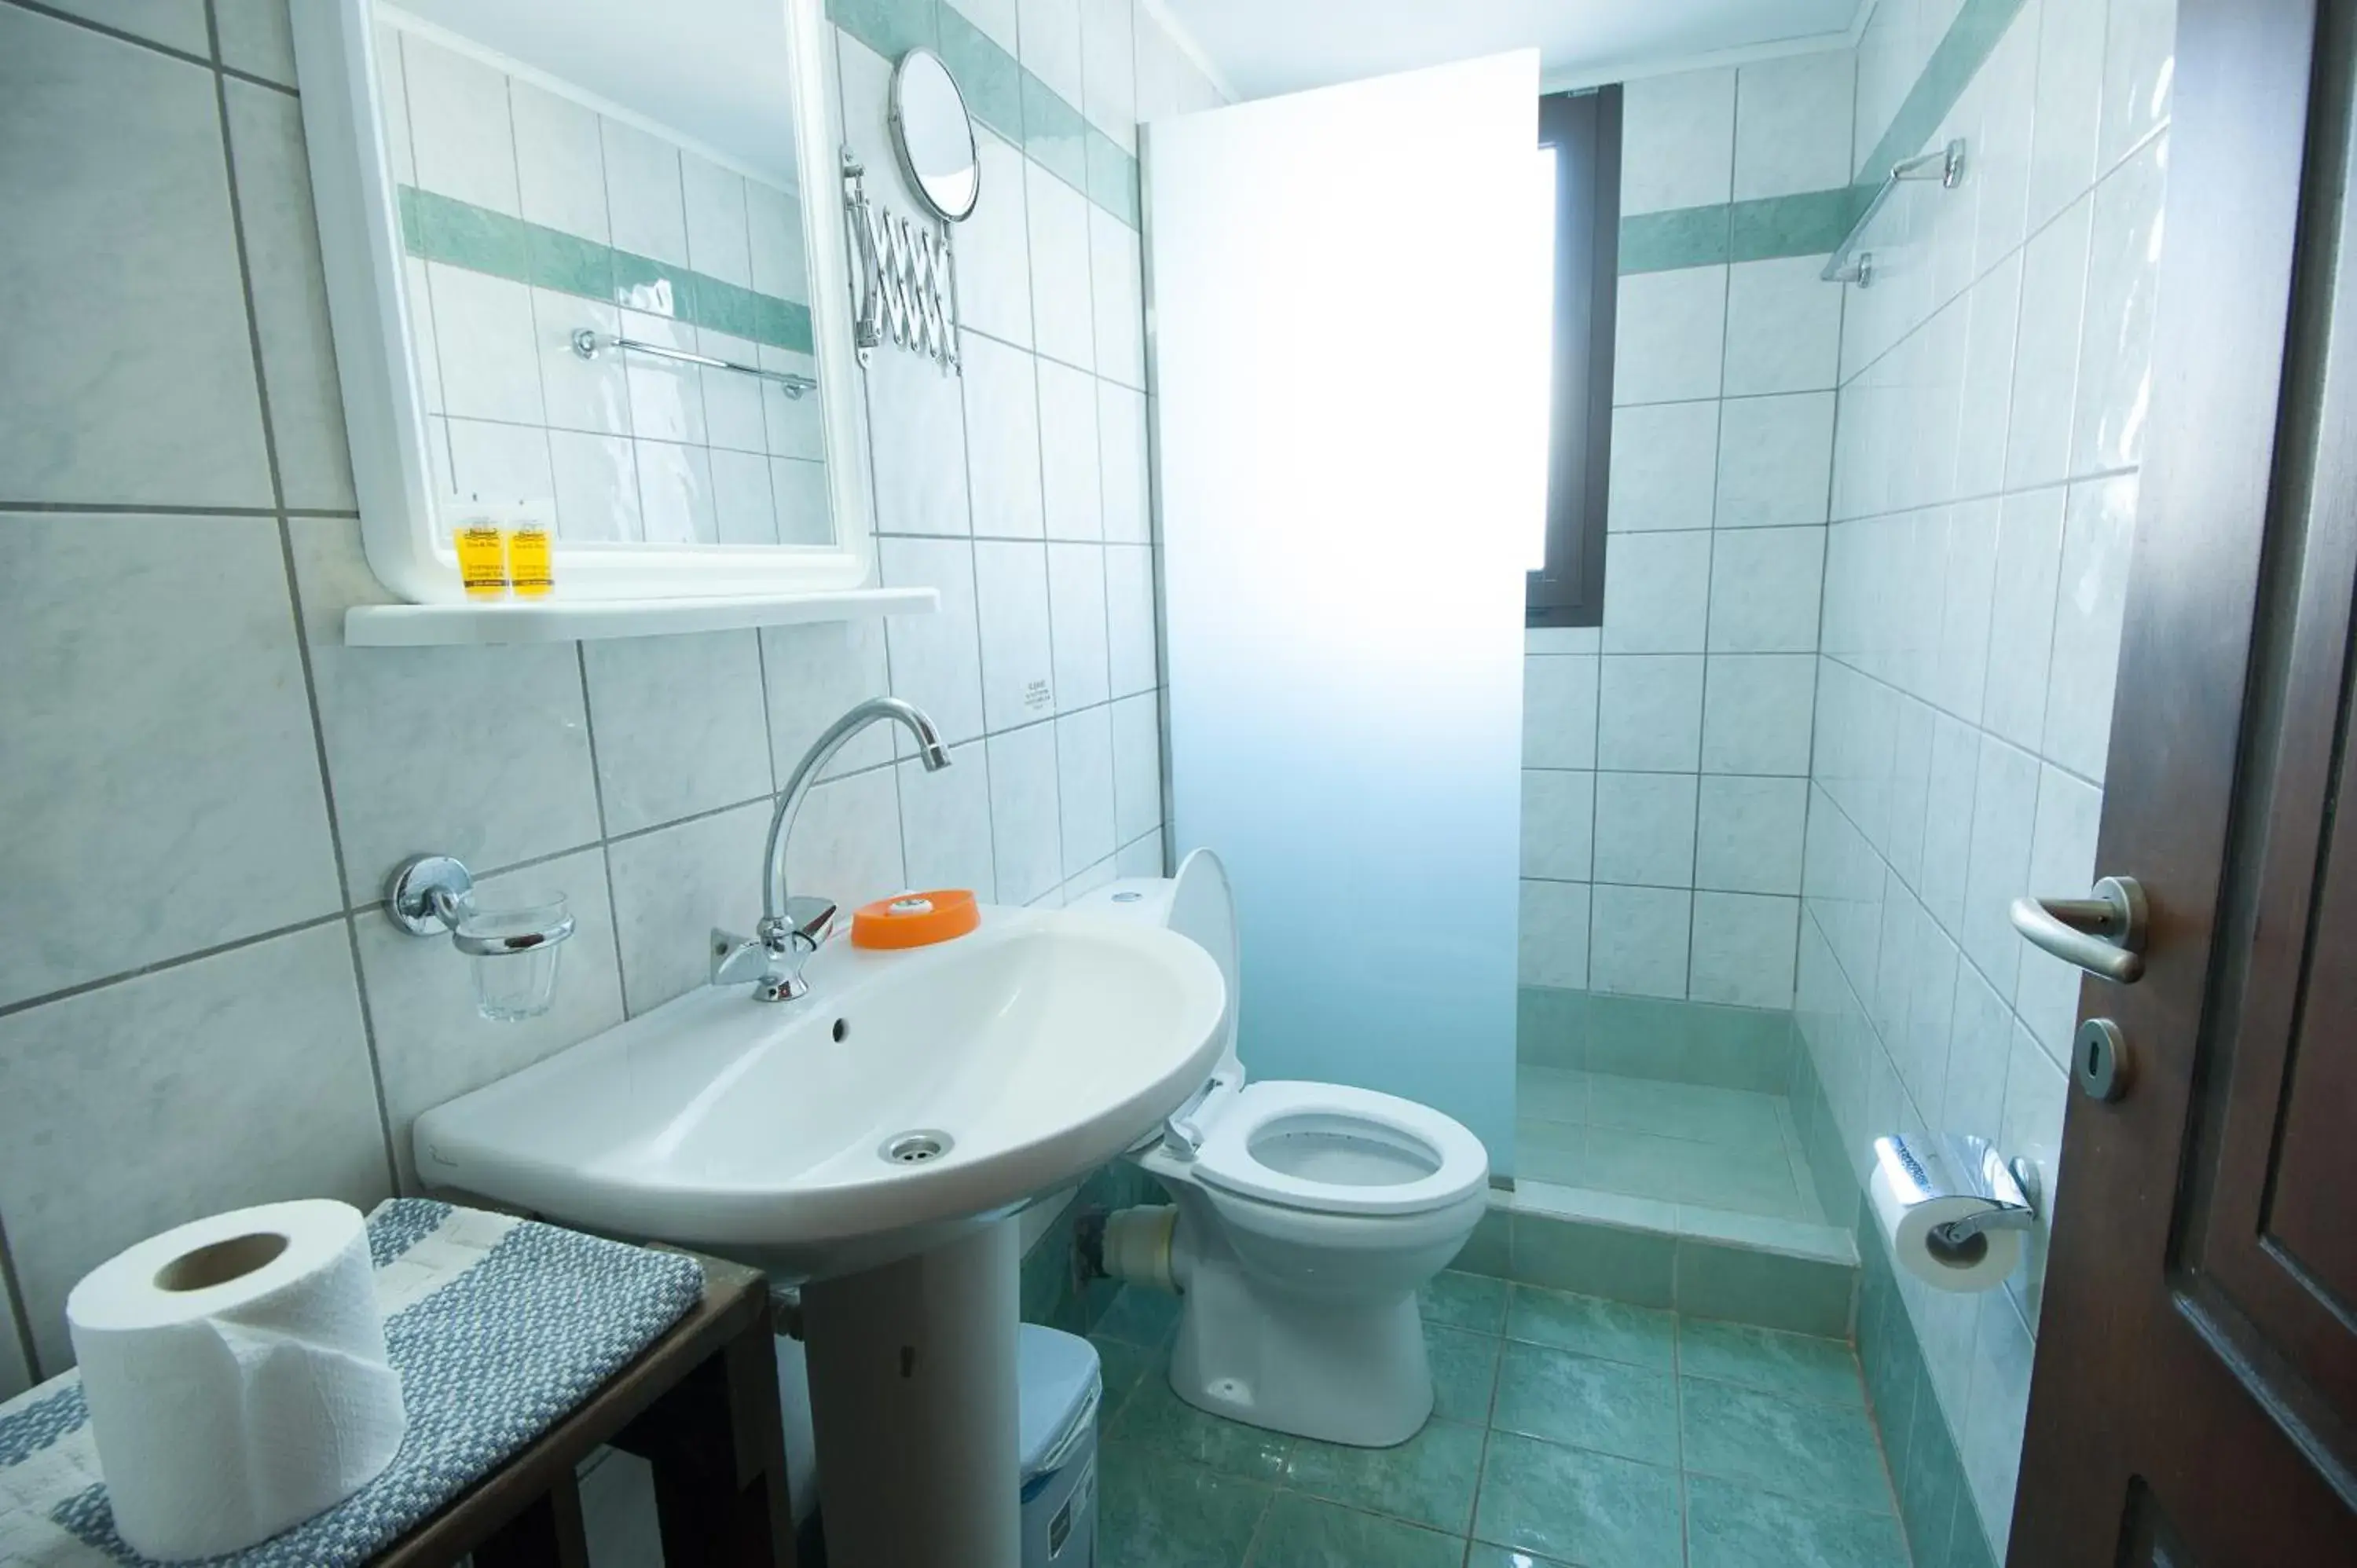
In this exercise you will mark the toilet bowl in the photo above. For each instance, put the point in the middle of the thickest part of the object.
(1303, 1218)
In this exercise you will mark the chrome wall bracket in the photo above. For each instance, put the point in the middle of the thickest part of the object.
(905, 278)
(514, 947)
(1850, 264)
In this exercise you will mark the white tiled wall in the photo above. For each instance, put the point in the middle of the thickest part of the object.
(1994, 383)
(201, 1004)
(1675, 740)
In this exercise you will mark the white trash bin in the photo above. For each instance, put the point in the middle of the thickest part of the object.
(1060, 1388)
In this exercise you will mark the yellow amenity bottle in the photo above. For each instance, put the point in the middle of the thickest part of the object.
(529, 565)
(482, 555)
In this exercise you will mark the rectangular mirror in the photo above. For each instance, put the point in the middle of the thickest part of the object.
(589, 255)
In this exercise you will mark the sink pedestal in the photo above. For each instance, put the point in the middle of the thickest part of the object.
(914, 1408)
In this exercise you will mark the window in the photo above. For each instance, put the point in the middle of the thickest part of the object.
(1583, 131)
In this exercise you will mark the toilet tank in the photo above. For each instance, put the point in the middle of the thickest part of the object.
(1199, 906)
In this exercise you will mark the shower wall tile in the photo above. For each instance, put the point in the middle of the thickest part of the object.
(1554, 929)
(1984, 494)
(1559, 711)
(1677, 140)
(303, 771)
(1658, 598)
(1669, 336)
(1645, 828)
(1663, 455)
(1793, 124)
(1783, 327)
(1637, 941)
(1775, 460)
(1559, 815)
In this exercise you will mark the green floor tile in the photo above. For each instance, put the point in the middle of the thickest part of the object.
(1155, 1417)
(1693, 1111)
(1796, 1447)
(1487, 1556)
(1154, 1511)
(1580, 1507)
(1465, 1301)
(1303, 1532)
(1642, 1336)
(1745, 1178)
(1428, 1480)
(1780, 1363)
(1464, 1372)
(1550, 1094)
(1609, 1406)
(1641, 1164)
(1730, 1526)
(1122, 1366)
(1139, 1316)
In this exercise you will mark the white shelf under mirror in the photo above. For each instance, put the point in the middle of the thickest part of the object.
(572, 620)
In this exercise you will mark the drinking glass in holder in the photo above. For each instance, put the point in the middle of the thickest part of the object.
(515, 940)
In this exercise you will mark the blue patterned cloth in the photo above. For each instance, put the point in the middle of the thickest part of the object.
(498, 1327)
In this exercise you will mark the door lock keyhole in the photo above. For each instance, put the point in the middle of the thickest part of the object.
(2099, 1059)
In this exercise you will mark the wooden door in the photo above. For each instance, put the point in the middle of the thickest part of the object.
(2194, 1401)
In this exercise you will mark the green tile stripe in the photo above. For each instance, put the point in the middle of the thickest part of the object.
(437, 227)
(1958, 57)
(1002, 95)
(1812, 222)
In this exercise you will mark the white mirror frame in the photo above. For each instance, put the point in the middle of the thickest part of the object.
(384, 408)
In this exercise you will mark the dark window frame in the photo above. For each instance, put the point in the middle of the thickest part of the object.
(1583, 129)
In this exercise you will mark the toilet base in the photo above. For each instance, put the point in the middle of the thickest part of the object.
(1350, 1372)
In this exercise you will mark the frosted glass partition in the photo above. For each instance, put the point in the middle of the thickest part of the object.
(1349, 294)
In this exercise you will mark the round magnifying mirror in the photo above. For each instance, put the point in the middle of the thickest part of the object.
(933, 135)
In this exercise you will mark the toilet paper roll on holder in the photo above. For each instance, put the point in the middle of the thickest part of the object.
(1963, 1165)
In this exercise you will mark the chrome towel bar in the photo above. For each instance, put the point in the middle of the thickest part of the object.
(589, 344)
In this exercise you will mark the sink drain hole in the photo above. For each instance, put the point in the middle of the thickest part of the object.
(915, 1148)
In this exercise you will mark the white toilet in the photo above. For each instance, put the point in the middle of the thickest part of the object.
(1307, 1216)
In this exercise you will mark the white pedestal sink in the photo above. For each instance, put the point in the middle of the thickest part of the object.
(869, 1140)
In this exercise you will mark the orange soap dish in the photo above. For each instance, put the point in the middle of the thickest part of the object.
(916, 919)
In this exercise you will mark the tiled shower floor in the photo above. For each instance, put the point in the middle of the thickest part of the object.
(1671, 1145)
(1568, 1431)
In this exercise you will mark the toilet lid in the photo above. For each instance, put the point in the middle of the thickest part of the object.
(1332, 1149)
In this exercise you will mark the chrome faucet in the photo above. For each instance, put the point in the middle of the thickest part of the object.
(793, 928)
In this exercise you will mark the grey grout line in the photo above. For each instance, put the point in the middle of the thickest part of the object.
(164, 965)
(20, 1316)
(135, 509)
(155, 46)
(293, 578)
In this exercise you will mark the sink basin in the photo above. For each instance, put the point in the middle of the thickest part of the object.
(910, 1096)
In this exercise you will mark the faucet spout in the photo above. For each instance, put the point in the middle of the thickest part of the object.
(790, 929)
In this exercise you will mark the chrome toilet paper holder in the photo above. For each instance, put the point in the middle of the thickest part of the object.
(1964, 1165)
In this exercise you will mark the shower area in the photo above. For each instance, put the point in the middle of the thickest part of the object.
(1667, 751)
(1871, 487)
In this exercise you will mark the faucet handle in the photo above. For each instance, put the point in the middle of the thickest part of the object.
(805, 925)
(736, 959)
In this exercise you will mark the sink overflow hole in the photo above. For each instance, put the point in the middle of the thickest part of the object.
(841, 1030)
(915, 1148)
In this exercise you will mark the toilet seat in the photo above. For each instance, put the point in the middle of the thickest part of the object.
(1352, 1151)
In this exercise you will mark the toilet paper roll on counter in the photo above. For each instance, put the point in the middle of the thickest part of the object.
(236, 1374)
(1908, 1221)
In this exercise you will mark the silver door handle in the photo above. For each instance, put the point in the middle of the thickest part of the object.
(2102, 934)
